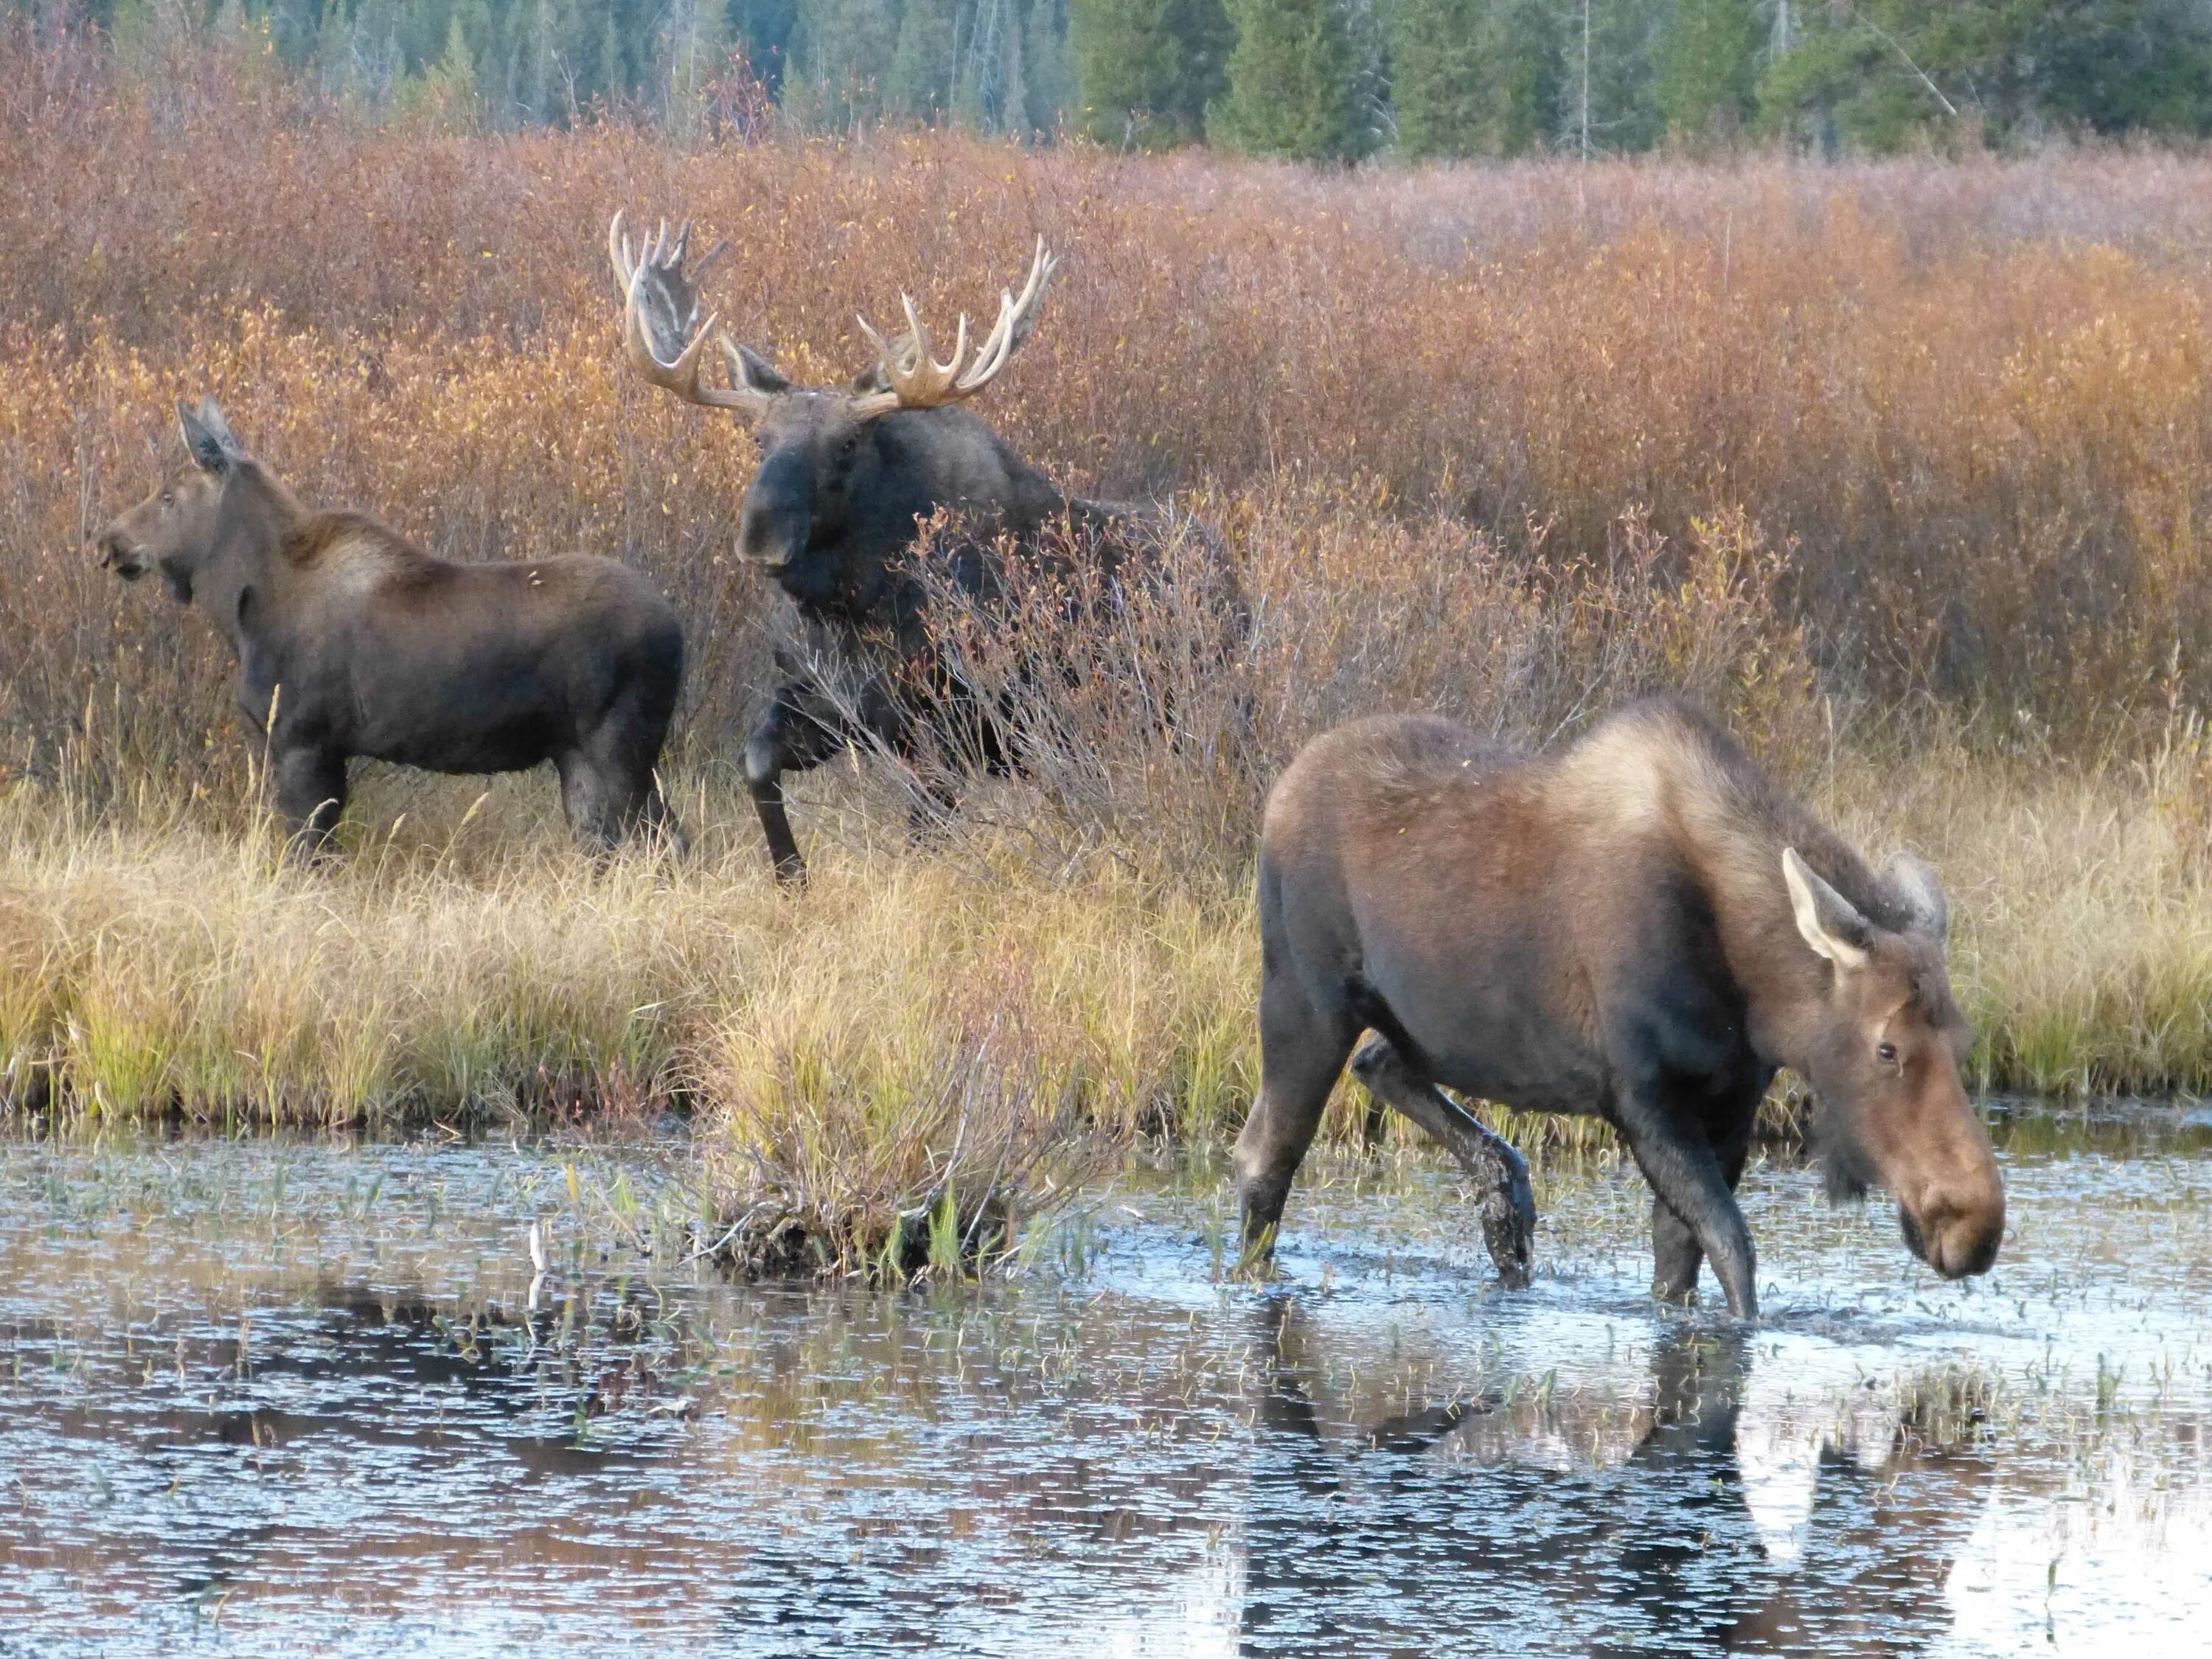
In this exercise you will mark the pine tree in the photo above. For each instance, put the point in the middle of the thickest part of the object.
(1607, 75)
(918, 84)
(1145, 71)
(841, 59)
(1014, 90)
(613, 77)
(1527, 75)
(449, 86)
(1708, 68)
(1294, 83)
(1047, 64)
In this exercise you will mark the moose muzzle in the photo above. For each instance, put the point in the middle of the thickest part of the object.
(118, 554)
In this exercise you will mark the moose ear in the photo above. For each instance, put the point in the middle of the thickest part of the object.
(207, 437)
(1923, 893)
(748, 368)
(1830, 923)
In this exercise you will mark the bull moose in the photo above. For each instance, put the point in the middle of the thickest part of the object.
(351, 640)
(1643, 927)
(847, 477)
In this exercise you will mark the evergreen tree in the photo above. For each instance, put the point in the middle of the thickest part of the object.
(763, 28)
(841, 56)
(1047, 64)
(692, 47)
(1495, 78)
(1473, 76)
(918, 83)
(1295, 81)
(1147, 69)
(1879, 74)
(613, 77)
(1708, 68)
(1607, 96)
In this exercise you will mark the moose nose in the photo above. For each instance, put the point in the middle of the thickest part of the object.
(115, 553)
(1957, 1236)
(774, 523)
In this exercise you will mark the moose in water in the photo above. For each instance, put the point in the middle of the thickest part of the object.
(1643, 927)
(848, 476)
(351, 640)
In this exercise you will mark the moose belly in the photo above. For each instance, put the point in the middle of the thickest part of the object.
(512, 745)
(484, 716)
(1491, 1034)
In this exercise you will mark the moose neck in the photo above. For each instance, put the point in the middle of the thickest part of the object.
(1738, 844)
(245, 563)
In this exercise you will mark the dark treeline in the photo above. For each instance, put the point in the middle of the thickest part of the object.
(1313, 79)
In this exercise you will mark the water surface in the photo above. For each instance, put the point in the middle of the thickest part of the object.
(293, 1397)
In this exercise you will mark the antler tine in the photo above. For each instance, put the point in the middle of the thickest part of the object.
(935, 378)
(919, 382)
(660, 313)
(681, 376)
(1016, 317)
(618, 254)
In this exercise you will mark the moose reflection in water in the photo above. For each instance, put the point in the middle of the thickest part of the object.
(1643, 927)
(350, 641)
(1360, 1534)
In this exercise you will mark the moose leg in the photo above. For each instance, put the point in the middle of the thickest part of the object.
(1504, 1200)
(1676, 1254)
(592, 802)
(660, 818)
(310, 795)
(1302, 1053)
(1686, 1176)
(789, 739)
(609, 791)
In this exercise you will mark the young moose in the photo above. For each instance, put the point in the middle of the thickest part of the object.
(350, 641)
(1643, 927)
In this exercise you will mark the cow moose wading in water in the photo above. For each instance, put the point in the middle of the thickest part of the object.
(1641, 926)
(350, 640)
(848, 477)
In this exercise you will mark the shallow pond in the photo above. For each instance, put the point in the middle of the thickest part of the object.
(311, 1397)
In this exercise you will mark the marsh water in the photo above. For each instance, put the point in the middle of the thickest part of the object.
(307, 1397)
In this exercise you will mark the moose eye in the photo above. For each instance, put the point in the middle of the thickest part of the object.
(168, 498)
(1885, 1053)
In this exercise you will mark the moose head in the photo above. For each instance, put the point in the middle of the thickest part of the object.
(846, 473)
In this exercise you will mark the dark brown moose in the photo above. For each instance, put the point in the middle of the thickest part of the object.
(351, 640)
(847, 476)
(1641, 927)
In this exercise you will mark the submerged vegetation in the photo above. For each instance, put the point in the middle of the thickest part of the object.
(1897, 466)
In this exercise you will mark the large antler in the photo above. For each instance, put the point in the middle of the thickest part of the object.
(918, 381)
(660, 319)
